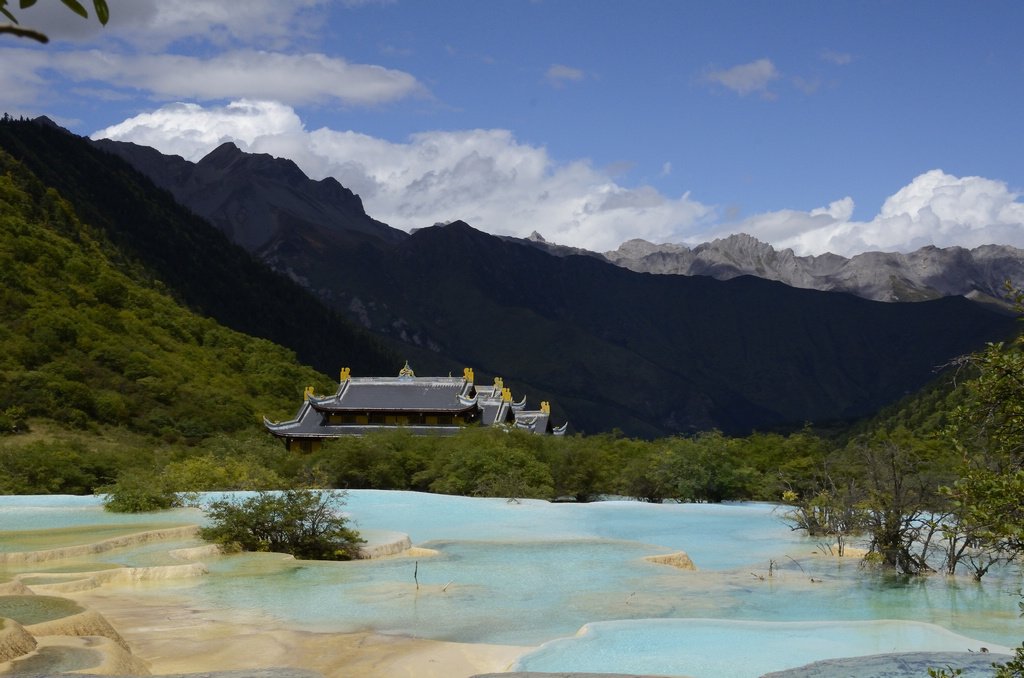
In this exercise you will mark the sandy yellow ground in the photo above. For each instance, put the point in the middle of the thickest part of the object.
(172, 637)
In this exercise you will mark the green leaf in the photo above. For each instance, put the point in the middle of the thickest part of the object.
(73, 5)
(26, 3)
(102, 11)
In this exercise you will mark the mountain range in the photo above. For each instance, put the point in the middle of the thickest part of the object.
(927, 273)
(255, 199)
(610, 347)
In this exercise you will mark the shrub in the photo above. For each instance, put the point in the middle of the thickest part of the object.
(305, 523)
(138, 491)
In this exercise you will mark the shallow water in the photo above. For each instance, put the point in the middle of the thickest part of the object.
(29, 609)
(711, 647)
(48, 660)
(532, 572)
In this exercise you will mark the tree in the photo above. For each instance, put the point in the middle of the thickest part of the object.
(901, 486)
(706, 469)
(489, 462)
(832, 509)
(307, 524)
(985, 525)
(102, 13)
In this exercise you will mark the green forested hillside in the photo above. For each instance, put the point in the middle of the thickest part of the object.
(195, 261)
(87, 345)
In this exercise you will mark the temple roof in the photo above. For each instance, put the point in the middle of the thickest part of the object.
(408, 398)
(307, 424)
(397, 394)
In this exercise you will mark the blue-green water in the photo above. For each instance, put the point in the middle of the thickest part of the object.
(533, 572)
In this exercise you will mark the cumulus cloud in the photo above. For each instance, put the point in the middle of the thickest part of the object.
(484, 177)
(935, 208)
(191, 131)
(745, 78)
(499, 185)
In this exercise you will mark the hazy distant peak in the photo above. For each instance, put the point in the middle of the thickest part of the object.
(926, 273)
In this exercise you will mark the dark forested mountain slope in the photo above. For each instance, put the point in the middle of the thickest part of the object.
(84, 343)
(202, 267)
(611, 348)
(647, 353)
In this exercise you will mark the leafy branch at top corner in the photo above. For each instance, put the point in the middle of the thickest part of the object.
(102, 13)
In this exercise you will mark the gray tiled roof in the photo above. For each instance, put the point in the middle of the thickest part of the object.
(410, 394)
(397, 395)
(308, 423)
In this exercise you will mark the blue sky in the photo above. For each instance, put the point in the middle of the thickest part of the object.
(821, 126)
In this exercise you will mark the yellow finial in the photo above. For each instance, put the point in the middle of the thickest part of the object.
(467, 374)
(498, 383)
(406, 372)
(308, 393)
(506, 395)
(545, 407)
(346, 372)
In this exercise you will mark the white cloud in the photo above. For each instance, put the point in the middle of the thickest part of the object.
(151, 25)
(484, 177)
(260, 49)
(745, 78)
(297, 79)
(558, 75)
(499, 185)
(934, 209)
(191, 131)
(838, 58)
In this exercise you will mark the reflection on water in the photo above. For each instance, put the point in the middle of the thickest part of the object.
(528, 573)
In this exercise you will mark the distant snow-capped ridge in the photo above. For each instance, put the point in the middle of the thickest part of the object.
(928, 273)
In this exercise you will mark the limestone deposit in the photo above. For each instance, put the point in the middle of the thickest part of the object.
(399, 544)
(14, 588)
(15, 641)
(679, 560)
(23, 557)
(85, 623)
(83, 581)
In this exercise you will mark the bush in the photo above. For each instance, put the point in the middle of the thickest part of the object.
(138, 491)
(305, 523)
(12, 420)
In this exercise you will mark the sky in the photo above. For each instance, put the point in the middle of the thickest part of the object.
(835, 126)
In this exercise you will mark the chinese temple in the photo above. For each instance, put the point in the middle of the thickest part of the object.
(421, 405)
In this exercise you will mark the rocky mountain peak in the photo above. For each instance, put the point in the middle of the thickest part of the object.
(927, 273)
(257, 200)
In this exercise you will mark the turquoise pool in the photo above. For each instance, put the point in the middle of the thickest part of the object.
(536, 574)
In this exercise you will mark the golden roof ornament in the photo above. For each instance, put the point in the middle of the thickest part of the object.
(406, 372)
